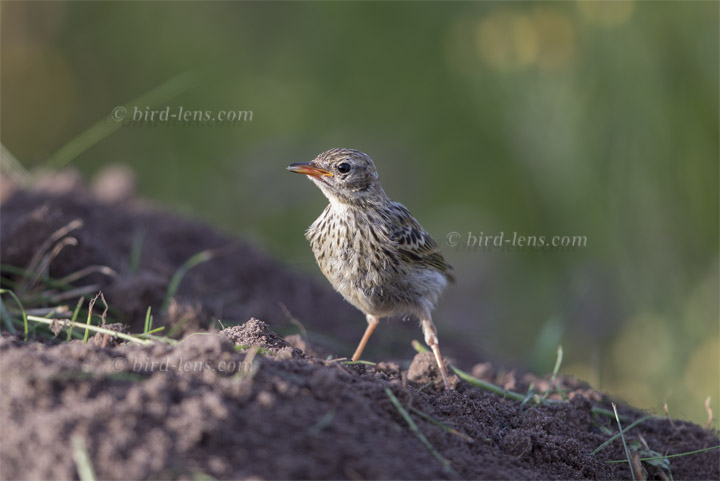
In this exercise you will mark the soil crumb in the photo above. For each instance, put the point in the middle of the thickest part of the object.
(256, 333)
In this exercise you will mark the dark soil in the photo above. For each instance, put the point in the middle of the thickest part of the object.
(247, 403)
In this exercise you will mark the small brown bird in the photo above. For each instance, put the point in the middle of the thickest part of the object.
(371, 249)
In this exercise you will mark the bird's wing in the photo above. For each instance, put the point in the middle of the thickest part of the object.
(413, 243)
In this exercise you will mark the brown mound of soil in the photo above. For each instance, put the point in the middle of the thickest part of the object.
(214, 405)
(202, 408)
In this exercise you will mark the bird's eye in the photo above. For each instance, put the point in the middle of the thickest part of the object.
(343, 168)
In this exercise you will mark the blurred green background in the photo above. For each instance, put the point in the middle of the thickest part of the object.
(543, 118)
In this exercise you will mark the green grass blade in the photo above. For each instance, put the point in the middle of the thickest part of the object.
(199, 258)
(7, 318)
(654, 458)
(89, 318)
(622, 436)
(106, 126)
(322, 423)
(90, 327)
(11, 166)
(8, 282)
(162, 339)
(472, 380)
(558, 362)
(136, 250)
(241, 347)
(606, 412)
(49, 281)
(418, 346)
(148, 321)
(628, 428)
(360, 361)
(22, 310)
(417, 432)
(82, 459)
(556, 369)
(443, 426)
(74, 317)
(200, 476)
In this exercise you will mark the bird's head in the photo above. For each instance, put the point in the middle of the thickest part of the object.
(343, 175)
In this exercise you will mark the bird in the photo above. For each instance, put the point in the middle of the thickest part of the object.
(371, 249)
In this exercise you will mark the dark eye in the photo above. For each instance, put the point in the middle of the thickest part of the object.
(343, 168)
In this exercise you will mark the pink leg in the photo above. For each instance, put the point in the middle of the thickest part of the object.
(431, 340)
(372, 324)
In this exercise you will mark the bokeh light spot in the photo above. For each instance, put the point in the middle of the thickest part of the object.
(702, 372)
(606, 13)
(644, 349)
(508, 40)
(555, 36)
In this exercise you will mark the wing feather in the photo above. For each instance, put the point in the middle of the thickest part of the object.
(413, 243)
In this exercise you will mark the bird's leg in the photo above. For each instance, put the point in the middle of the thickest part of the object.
(431, 340)
(372, 324)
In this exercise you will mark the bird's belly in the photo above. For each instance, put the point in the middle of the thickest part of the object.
(373, 282)
(353, 276)
(354, 267)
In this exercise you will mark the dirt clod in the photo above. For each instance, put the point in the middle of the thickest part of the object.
(424, 370)
(257, 333)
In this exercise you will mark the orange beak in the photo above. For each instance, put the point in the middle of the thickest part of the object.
(309, 168)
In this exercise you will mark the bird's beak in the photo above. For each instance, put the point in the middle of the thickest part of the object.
(309, 168)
